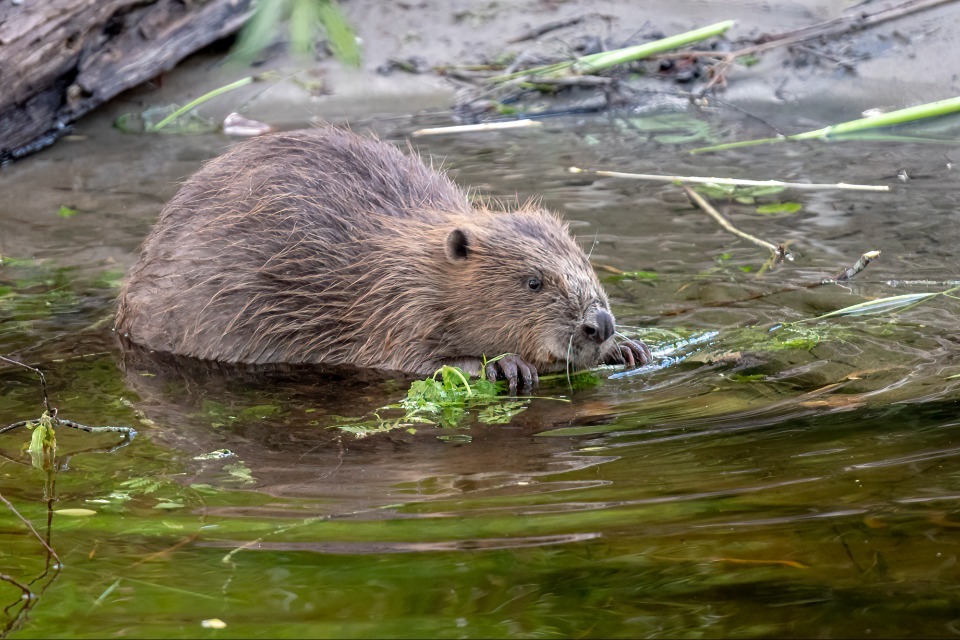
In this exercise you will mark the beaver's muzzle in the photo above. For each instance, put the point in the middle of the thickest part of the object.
(598, 327)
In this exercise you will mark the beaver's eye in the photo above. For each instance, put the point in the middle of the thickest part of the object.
(534, 284)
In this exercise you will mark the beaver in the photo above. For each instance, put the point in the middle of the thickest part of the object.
(321, 246)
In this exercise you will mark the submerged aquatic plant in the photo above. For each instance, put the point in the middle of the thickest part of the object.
(443, 400)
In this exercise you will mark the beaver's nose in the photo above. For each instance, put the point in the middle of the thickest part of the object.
(600, 327)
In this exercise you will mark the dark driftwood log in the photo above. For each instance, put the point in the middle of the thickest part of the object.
(60, 59)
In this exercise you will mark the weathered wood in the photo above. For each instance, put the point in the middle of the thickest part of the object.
(59, 59)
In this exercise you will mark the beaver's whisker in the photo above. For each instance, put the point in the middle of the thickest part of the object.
(569, 351)
(594, 245)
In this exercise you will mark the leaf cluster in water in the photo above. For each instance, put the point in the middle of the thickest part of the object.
(443, 400)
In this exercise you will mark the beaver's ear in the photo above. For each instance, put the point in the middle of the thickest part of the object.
(458, 245)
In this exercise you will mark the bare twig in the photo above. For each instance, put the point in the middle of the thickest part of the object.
(470, 128)
(843, 24)
(128, 432)
(857, 267)
(779, 252)
(732, 181)
(535, 32)
(32, 530)
(43, 381)
(573, 81)
(834, 27)
(24, 588)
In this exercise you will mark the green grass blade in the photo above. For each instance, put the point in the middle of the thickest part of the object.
(306, 17)
(207, 96)
(260, 29)
(901, 116)
(880, 305)
(606, 59)
(304, 24)
(343, 41)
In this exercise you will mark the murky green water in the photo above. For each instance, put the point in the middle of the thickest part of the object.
(800, 482)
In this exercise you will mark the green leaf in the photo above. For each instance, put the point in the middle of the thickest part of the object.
(259, 411)
(632, 275)
(501, 413)
(780, 207)
(66, 212)
(76, 513)
(456, 437)
(168, 505)
(203, 488)
(142, 485)
(240, 472)
(743, 194)
(43, 442)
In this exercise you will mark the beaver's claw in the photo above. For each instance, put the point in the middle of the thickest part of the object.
(513, 369)
(631, 353)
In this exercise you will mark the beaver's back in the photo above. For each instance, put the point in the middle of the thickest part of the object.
(288, 212)
(331, 173)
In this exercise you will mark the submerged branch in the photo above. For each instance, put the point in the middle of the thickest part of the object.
(35, 533)
(43, 383)
(857, 267)
(779, 252)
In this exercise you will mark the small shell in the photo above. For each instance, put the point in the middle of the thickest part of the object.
(237, 125)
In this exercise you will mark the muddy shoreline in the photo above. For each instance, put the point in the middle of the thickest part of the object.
(418, 56)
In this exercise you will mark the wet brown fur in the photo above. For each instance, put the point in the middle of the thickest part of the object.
(320, 246)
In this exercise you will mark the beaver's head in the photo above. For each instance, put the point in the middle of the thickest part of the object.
(520, 284)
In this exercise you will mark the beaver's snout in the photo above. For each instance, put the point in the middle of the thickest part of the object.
(599, 327)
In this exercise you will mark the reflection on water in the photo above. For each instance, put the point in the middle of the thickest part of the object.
(790, 480)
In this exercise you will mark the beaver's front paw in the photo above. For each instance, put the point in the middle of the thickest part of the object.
(513, 369)
(631, 353)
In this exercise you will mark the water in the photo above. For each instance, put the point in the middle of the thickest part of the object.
(793, 481)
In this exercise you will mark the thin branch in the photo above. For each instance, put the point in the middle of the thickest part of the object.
(536, 32)
(857, 267)
(843, 24)
(731, 181)
(27, 594)
(43, 381)
(778, 251)
(835, 27)
(32, 530)
(470, 128)
(128, 432)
